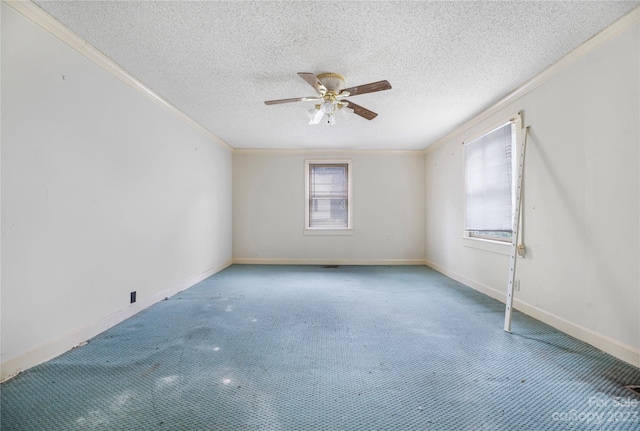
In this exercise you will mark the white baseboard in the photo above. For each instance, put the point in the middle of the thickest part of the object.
(382, 262)
(56, 347)
(14, 366)
(599, 341)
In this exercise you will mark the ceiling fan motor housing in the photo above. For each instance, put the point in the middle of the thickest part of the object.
(332, 81)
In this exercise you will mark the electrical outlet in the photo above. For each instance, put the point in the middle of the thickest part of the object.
(516, 286)
(133, 297)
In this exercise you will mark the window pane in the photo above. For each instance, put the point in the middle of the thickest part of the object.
(328, 195)
(493, 235)
(489, 182)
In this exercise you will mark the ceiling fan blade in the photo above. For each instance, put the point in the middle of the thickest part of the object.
(313, 81)
(317, 117)
(359, 110)
(295, 99)
(368, 88)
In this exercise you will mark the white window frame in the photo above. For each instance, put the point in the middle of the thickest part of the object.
(482, 242)
(348, 230)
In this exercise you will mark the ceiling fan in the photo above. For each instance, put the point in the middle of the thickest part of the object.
(331, 93)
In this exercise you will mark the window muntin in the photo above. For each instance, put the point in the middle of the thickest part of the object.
(328, 196)
(489, 189)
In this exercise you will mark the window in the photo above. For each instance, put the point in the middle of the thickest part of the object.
(328, 196)
(490, 190)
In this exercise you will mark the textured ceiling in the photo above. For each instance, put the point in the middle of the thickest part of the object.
(218, 61)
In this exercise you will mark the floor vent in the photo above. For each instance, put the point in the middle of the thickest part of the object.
(330, 266)
(634, 388)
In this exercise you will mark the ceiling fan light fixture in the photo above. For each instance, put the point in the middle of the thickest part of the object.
(312, 112)
(346, 112)
(316, 115)
(328, 107)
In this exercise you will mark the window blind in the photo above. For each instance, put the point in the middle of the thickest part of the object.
(328, 195)
(489, 181)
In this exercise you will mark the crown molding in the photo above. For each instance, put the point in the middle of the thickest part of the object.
(38, 16)
(608, 34)
(41, 18)
(299, 151)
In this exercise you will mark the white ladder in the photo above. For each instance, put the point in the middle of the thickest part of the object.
(516, 232)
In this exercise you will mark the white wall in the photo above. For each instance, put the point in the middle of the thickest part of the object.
(103, 192)
(581, 202)
(268, 209)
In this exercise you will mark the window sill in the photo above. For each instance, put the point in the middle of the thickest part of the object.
(328, 232)
(498, 247)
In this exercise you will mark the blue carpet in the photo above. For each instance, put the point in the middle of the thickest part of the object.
(313, 348)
